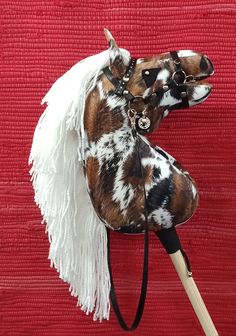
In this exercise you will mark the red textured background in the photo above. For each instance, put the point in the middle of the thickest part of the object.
(40, 40)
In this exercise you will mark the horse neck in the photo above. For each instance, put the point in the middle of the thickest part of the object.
(106, 120)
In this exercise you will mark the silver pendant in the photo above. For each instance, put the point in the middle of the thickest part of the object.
(144, 123)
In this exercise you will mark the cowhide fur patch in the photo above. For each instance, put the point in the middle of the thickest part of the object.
(113, 174)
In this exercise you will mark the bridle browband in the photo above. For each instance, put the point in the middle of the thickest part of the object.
(179, 80)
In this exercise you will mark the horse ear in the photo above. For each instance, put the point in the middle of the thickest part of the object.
(116, 59)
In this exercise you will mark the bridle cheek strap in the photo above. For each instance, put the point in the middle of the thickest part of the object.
(120, 85)
(181, 86)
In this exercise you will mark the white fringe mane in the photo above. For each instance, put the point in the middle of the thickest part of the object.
(78, 241)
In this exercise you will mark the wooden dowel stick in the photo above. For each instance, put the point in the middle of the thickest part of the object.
(193, 294)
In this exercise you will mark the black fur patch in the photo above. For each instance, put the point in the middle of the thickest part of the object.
(158, 194)
(135, 170)
(156, 172)
(108, 173)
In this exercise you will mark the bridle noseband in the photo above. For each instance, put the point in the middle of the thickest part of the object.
(179, 81)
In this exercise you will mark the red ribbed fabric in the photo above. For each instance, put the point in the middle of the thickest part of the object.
(40, 40)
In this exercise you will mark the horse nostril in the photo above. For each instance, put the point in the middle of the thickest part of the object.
(211, 68)
(206, 65)
(203, 64)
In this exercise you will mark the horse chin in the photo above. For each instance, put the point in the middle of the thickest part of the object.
(200, 93)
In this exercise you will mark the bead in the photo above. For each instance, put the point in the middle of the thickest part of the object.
(147, 72)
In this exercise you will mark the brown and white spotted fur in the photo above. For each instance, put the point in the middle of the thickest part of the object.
(112, 170)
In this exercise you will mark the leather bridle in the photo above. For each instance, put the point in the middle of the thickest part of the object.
(169, 240)
(179, 81)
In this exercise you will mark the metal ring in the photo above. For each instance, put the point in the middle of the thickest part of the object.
(132, 113)
(176, 61)
(176, 72)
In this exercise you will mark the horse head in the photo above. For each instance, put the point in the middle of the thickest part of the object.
(164, 82)
(135, 94)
